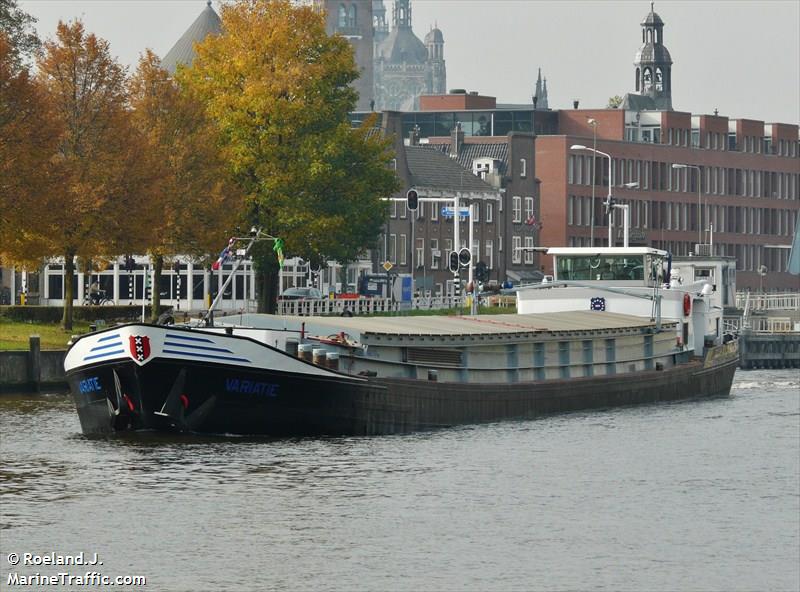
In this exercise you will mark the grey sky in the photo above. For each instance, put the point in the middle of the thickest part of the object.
(740, 57)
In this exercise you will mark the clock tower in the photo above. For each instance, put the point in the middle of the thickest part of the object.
(654, 64)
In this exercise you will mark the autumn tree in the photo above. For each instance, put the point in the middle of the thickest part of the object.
(17, 27)
(278, 88)
(26, 144)
(191, 203)
(97, 162)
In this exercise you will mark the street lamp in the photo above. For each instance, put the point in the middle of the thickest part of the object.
(699, 205)
(593, 122)
(608, 199)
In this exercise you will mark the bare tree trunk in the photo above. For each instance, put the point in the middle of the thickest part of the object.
(69, 271)
(158, 267)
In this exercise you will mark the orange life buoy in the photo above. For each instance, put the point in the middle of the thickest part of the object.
(687, 304)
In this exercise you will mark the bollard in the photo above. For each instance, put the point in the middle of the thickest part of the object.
(92, 327)
(35, 361)
(318, 356)
(291, 347)
(332, 360)
(304, 351)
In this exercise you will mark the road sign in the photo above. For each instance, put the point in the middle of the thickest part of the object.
(447, 212)
(388, 265)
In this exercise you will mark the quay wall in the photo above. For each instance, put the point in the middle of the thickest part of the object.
(32, 370)
(769, 350)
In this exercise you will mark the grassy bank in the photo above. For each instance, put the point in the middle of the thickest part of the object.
(15, 334)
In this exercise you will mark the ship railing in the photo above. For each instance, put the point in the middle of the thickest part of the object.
(363, 306)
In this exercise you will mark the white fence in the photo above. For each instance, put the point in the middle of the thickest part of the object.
(762, 325)
(785, 301)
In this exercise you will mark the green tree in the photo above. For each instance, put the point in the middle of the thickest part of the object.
(614, 102)
(278, 87)
(191, 201)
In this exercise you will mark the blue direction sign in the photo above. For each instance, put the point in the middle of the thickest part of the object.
(447, 212)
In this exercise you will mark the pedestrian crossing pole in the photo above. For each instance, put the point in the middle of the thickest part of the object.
(146, 289)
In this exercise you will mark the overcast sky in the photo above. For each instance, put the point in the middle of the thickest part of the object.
(740, 57)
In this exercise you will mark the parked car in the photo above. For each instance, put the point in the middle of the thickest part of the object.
(301, 294)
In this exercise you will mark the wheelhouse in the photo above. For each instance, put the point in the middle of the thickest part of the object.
(632, 266)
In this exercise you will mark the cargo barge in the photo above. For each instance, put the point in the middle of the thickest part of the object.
(615, 327)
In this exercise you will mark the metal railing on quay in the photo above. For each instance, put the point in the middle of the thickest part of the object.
(777, 301)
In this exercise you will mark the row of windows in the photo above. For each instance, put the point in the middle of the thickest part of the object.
(711, 140)
(661, 176)
(434, 210)
(438, 250)
(662, 215)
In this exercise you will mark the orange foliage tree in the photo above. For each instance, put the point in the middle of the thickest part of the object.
(97, 166)
(26, 144)
(191, 204)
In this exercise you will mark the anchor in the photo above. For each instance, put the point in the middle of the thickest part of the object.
(176, 403)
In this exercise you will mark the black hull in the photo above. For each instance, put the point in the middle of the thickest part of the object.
(217, 399)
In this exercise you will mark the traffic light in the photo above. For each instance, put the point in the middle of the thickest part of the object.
(464, 256)
(453, 264)
(412, 198)
(481, 271)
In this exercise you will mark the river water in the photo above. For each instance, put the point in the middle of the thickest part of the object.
(685, 496)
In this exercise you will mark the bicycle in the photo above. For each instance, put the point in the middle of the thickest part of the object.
(100, 299)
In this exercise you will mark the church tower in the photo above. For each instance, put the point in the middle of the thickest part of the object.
(352, 19)
(434, 42)
(654, 64)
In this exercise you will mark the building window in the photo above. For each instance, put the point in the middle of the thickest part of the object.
(434, 212)
(523, 167)
(419, 258)
(420, 211)
(489, 252)
(393, 210)
(529, 210)
(342, 16)
(516, 247)
(351, 21)
(489, 212)
(403, 210)
(403, 249)
(529, 250)
(436, 254)
(516, 203)
(476, 210)
(393, 248)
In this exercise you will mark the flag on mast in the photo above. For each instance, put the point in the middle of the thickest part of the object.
(278, 248)
(224, 255)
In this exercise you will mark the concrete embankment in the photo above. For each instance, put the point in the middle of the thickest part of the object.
(32, 370)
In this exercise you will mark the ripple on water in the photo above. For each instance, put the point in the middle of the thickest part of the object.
(696, 495)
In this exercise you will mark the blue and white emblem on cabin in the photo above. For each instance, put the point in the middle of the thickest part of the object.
(597, 303)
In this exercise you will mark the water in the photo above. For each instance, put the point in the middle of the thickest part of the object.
(689, 496)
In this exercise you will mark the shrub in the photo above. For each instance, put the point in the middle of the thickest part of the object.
(53, 314)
